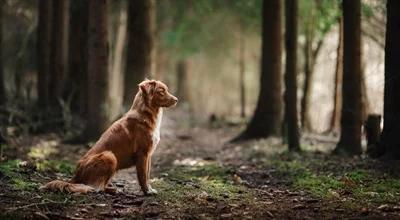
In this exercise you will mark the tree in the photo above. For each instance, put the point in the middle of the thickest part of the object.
(78, 52)
(182, 90)
(390, 141)
(141, 54)
(291, 75)
(242, 69)
(267, 117)
(44, 50)
(351, 119)
(337, 93)
(318, 18)
(98, 86)
(59, 50)
(2, 82)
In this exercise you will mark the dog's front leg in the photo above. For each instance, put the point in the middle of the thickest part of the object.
(153, 191)
(142, 166)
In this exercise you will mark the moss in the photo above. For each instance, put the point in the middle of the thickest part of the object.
(196, 184)
(319, 185)
(62, 166)
(19, 176)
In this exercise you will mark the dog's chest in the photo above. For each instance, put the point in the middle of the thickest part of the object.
(156, 132)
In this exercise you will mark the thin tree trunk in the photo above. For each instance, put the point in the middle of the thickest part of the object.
(59, 50)
(78, 69)
(140, 57)
(351, 119)
(267, 119)
(291, 75)
(43, 51)
(98, 85)
(242, 69)
(337, 94)
(116, 79)
(2, 82)
(390, 141)
(182, 91)
(308, 72)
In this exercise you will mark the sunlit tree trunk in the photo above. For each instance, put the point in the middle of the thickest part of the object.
(116, 78)
(291, 118)
(267, 119)
(337, 93)
(390, 141)
(351, 119)
(43, 51)
(98, 84)
(78, 45)
(59, 50)
(140, 49)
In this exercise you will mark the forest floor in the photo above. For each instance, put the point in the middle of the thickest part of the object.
(199, 176)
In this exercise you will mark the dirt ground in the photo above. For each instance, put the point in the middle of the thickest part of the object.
(200, 176)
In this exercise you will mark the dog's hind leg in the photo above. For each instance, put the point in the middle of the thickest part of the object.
(96, 170)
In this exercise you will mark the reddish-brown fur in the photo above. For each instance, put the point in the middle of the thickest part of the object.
(127, 142)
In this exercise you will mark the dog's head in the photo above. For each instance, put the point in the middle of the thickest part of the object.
(157, 94)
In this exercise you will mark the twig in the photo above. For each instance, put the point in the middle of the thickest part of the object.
(36, 204)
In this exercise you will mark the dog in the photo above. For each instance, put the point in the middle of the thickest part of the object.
(129, 141)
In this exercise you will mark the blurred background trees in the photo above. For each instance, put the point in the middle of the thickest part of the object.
(61, 67)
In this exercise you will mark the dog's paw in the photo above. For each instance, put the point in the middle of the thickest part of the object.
(150, 191)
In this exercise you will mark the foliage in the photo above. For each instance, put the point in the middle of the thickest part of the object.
(202, 26)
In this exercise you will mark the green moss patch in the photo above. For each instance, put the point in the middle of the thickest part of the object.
(22, 175)
(185, 185)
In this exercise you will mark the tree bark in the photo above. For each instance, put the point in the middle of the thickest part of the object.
(291, 75)
(59, 50)
(351, 119)
(98, 85)
(337, 93)
(390, 141)
(116, 79)
(2, 82)
(78, 52)
(44, 50)
(267, 118)
(140, 57)
(182, 91)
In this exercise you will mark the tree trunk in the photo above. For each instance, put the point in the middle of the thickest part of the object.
(291, 75)
(140, 57)
(44, 50)
(308, 72)
(390, 140)
(116, 79)
(351, 120)
(242, 69)
(182, 90)
(78, 46)
(267, 119)
(2, 82)
(59, 50)
(98, 85)
(373, 132)
(337, 94)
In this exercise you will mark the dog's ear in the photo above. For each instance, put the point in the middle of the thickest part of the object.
(147, 86)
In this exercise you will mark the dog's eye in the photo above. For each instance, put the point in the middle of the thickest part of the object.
(162, 93)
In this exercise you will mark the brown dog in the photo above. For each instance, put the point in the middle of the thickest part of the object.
(129, 141)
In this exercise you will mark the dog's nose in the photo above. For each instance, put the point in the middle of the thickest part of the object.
(175, 99)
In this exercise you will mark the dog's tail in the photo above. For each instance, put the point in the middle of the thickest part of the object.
(58, 185)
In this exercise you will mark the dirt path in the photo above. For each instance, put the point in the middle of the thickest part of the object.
(199, 176)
